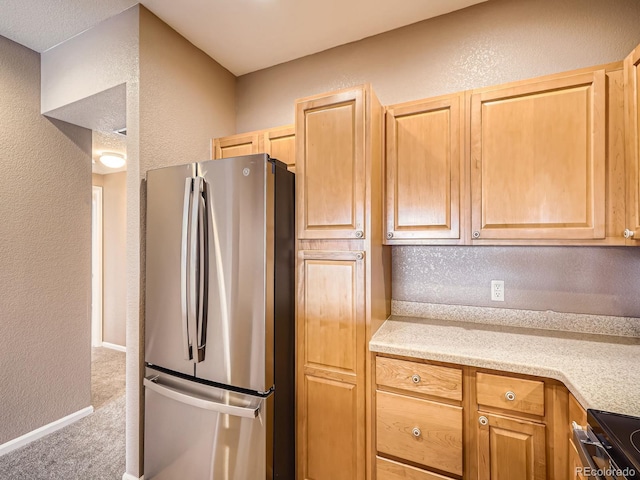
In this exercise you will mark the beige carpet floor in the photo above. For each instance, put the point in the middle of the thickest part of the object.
(92, 448)
(107, 376)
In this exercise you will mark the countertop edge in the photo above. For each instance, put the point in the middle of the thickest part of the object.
(489, 364)
(411, 337)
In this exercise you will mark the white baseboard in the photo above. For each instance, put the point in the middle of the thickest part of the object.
(128, 476)
(44, 430)
(113, 346)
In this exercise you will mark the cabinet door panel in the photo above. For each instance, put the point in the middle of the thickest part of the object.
(280, 143)
(424, 170)
(331, 310)
(331, 430)
(330, 165)
(538, 160)
(238, 145)
(510, 448)
(632, 87)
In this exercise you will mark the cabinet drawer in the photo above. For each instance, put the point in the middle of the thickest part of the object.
(416, 377)
(390, 470)
(421, 431)
(519, 395)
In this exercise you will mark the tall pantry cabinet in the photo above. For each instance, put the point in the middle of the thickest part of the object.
(343, 282)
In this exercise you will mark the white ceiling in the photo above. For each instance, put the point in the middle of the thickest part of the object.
(249, 35)
(242, 35)
(42, 24)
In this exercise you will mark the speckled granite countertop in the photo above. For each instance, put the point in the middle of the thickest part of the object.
(602, 371)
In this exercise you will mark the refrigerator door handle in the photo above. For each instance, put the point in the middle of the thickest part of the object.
(251, 411)
(193, 288)
(203, 260)
(184, 268)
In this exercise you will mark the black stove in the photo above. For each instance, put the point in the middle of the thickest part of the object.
(618, 455)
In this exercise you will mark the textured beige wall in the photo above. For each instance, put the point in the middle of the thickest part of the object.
(486, 44)
(114, 199)
(591, 280)
(45, 254)
(186, 98)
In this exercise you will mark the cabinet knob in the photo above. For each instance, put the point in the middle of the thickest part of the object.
(476, 234)
(416, 432)
(628, 233)
(483, 420)
(416, 378)
(389, 235)
(359, 256)
(510, 396)
(359, 234)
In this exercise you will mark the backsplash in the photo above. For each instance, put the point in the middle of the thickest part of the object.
(591, 280)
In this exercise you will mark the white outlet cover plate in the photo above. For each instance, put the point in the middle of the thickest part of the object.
(497, 290)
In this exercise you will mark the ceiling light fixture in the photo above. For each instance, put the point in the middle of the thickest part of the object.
(112, 160)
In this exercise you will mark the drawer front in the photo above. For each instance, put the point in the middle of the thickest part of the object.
(421, 431)
(390, 470)
(417, 377)
(526, 396)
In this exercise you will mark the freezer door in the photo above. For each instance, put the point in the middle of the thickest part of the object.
(198, 432)
(169, 202)
(239, 330)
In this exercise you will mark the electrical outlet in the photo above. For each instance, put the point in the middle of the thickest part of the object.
(497, 290)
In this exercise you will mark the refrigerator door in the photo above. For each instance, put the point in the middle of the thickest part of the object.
(169, 204)
(239, 330)
(198, 432)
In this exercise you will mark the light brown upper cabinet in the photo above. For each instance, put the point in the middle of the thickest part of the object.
(538, 159)
(632, 87)
(280, 143)
(330, 152)
(238, 145)
(424, 171)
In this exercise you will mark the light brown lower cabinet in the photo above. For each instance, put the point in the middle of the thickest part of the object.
(390, 470)
(332, 421)
(510, 448)
(578, 415)
(442, 421)
(575, 464)
(331, 363)
(421, 431)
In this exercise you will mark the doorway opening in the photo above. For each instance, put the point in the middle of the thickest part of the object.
(109, 236)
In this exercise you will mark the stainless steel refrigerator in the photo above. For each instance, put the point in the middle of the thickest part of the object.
(219, 321)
